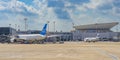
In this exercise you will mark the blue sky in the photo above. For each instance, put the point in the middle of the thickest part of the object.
(63, 12)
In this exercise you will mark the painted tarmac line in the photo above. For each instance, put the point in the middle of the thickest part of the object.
(114, 57)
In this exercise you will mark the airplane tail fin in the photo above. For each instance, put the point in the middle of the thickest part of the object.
(44, 30)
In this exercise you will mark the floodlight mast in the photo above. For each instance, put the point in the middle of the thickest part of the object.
(54, 26)
(25, 19)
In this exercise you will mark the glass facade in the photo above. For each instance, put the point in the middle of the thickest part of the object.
(7, 31)
(103, 34)
(4, 31)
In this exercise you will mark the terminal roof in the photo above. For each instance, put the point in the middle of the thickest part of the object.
(96, 26)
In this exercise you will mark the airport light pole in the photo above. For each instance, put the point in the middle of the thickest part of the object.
(25, 19)
(96, 28)
(10, 29)
(54, 27)
(48, 26)
(16, 26)
(73, 30)
(47, 31)
(10, 25)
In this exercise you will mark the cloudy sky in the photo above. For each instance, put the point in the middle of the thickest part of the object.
(63, 12)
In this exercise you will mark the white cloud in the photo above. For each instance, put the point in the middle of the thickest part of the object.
(115, 11)
(94, 4)
(2, 5)
(46, 13)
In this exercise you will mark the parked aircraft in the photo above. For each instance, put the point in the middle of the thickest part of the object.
(42, 35)
(92, 39)
(31, 38)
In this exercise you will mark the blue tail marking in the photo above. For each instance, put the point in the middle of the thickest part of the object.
(44, 30)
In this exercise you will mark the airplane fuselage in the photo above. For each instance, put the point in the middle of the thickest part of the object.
(31, 37)
(91, 39)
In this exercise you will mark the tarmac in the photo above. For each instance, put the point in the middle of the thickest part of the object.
(66, 51)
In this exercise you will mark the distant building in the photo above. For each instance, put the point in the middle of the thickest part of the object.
(7, 31)
(91, 30)
(65, 36)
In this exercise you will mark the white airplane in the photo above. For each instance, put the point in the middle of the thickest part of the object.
(92, 39)
(40, 36)
(33, 37)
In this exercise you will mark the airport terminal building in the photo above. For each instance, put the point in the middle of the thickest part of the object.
(91, 30)
(82, 31)
(7, 31)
